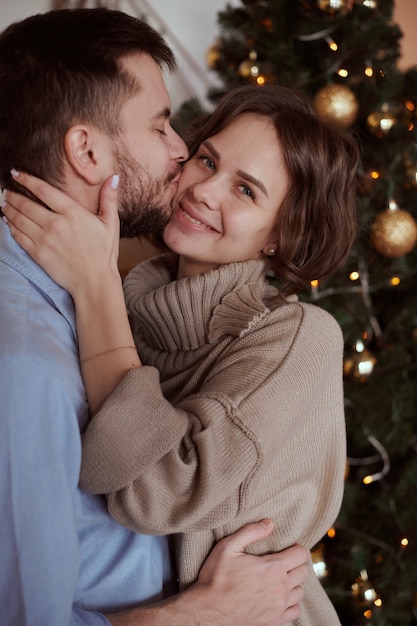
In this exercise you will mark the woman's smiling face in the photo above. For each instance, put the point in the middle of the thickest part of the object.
(228, 197)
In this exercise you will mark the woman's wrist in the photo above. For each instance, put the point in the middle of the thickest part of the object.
(97, 285)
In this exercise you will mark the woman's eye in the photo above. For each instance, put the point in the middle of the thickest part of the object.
(208, 162)
(247, 192)
(161, 131)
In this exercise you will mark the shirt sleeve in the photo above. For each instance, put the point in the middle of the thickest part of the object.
(40, 458)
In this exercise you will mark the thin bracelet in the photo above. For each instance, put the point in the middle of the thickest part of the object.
(95, 356)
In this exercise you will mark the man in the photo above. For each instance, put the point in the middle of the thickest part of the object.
(82, 96)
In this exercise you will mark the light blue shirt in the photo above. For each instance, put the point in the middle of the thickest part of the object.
(63, 559)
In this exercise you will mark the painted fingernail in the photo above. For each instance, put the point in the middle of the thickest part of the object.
(4, 218)
(115, 181)
(14, 172)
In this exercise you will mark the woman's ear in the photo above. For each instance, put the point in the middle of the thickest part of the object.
(82, 151)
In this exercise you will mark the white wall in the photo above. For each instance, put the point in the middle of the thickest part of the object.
(188, 25)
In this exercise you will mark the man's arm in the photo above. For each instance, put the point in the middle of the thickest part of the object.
(234, 588)
(38, 540)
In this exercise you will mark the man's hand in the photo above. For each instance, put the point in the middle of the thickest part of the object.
(252, 590)
(234, 588)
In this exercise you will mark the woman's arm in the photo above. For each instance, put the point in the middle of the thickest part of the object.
(79, 250)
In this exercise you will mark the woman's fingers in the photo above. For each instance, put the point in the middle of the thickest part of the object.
(56, 200)
(26, 231)
(72, 243)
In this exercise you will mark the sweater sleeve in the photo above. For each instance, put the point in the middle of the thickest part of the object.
(171, 469)
(167, 469)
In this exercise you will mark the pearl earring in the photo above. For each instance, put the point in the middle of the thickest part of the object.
(271, 251)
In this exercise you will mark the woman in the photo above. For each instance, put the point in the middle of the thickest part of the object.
(237, 411)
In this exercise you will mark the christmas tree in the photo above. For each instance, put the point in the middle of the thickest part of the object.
(344, 54)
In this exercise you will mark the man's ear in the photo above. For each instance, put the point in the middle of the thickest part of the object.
(81, 146)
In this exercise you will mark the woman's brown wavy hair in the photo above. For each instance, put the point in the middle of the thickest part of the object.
(316, 222)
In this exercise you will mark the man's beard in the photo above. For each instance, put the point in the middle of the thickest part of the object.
(143, 208)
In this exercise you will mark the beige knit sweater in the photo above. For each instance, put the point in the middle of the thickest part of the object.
(237, 416)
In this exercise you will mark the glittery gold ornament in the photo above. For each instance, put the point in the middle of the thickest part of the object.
(213, 55)
(335, 7)
(336, 104)
(394, 232)
(383, 119)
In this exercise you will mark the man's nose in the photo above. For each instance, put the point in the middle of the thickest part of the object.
(177, 148)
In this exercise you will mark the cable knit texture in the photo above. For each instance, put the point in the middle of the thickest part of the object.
(236, 416)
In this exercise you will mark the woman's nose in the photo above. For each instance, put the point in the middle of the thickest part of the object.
(208, 191)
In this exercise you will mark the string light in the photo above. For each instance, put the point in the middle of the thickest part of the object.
(359, 345)
(395, 280)
(363, 589)
(369, 69)
(314, 289)
(371, 478)
(343, 73)
(354, 276)
(331, 43)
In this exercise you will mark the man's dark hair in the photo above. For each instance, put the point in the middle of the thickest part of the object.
(63, 67)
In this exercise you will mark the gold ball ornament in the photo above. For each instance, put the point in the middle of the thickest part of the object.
(249, 67)
(337, 105)
(359, 365)
(382, 120)
(213, 55)
(394, 232)
(335, 7)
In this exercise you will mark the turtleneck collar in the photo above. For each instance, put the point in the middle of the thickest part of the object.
(183, 315)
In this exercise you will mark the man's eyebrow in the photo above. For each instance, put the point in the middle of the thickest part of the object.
(163, 114)
(245, 175)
